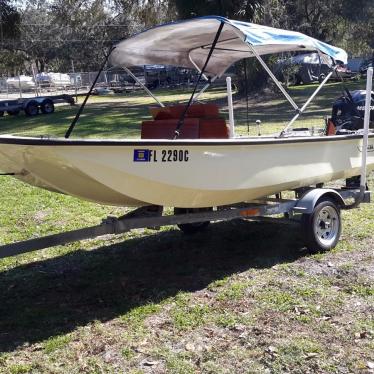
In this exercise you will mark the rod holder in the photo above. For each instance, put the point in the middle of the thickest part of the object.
(258, 124)
(231, 107)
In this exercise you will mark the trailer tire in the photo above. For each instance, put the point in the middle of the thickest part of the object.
(32, 108)
(322, 228)
(13, 112)
(47, 106)
(192, 228)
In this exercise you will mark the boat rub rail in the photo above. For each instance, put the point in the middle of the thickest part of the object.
(163, 142)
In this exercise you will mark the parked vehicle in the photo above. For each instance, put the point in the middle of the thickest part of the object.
(310, 68)
(355, 63)
(366, 64)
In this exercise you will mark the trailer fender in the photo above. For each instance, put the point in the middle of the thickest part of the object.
(310, 199)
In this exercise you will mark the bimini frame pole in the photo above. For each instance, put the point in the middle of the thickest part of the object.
(183, 115)
(297, 115)
(204, 88)
(196, 66)
(80, 110)
(365, 141)
(285, 93)
(210, 81)
(272, 76)
(369, 85)
(129, 72)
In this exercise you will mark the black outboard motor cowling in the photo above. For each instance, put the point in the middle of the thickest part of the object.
(350, 116)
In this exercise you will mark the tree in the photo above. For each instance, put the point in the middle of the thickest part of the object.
(9, 32)
(52, 33)
(9, 21)
(239, 9)
(328, 21)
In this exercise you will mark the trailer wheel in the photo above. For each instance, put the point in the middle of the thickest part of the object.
(32, 108)
(322, 228)
(13, 112)
(192, 228)
(47, 106)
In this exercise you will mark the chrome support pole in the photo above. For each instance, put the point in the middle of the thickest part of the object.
(196, 67)
(201, 91)
(204, 88)
(297, 115)
(129, 72)
(272, 76)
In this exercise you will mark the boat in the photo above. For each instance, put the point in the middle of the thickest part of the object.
(21, 82)
(188, 156)
(53, 80)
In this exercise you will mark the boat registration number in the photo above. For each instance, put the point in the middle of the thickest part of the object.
(164, 155)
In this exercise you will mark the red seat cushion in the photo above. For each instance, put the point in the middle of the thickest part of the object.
(160, 113)
(164, 129)
(215, 128)
(194, 111)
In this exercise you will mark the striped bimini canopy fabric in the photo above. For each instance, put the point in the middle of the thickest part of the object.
(187, 44)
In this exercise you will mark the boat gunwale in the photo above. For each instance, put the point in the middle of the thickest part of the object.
(32, 141)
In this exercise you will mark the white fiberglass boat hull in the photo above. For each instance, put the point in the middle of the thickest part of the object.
(183, 173)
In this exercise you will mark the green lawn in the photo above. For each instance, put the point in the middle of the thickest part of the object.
(119, 116)
(242, 297)
(114, 116)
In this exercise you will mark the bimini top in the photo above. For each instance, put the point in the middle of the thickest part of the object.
(187, 43)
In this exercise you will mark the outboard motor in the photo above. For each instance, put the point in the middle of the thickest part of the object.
(348, 116)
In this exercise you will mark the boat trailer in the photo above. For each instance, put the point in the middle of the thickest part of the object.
(33, 105)
(321, 225)
(316, 209)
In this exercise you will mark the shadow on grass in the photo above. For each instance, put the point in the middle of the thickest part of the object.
(55, 296)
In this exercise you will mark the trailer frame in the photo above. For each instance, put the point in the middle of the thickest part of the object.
(14, 106)
(289, 211)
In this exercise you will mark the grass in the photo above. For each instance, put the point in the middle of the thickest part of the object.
(55, 343)
(105, 116)
(121, 115)
(241, 297)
